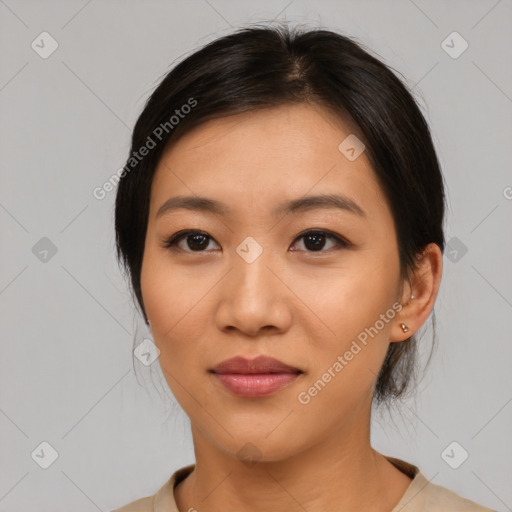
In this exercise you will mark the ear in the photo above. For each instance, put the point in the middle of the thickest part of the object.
(419, 294)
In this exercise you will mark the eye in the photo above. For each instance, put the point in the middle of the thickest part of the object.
(195, 241)
(314, 240)
(198, 241)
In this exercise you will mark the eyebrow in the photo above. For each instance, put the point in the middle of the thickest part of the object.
(205, 204)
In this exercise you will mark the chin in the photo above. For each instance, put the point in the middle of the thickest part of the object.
(252, 448)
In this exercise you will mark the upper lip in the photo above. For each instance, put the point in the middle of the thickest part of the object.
(262, 364)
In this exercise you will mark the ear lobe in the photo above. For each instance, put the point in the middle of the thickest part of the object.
(419, 298)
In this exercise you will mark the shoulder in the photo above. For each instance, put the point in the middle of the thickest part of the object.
(442, 498)
(141, 505)
(163, 500)
(423, 495)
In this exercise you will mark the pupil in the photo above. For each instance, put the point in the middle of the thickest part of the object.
(200, 245)
(319, 241)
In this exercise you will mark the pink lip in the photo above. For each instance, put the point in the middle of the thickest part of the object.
(261, 364)
(254, 385)
(257, 377)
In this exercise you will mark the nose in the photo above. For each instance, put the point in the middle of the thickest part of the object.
(254, 298)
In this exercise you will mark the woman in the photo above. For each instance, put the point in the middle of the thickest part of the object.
(281, 220)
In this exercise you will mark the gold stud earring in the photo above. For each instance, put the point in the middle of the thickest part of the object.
(404, 327)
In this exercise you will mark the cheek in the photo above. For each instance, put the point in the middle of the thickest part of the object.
(173, 304)
(167, 293)
(164, 302)
(347, 300)
(356, 309)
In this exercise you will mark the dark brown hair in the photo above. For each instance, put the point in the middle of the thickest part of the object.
(261, 67)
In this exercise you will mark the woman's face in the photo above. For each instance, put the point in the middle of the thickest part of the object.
(257, 283)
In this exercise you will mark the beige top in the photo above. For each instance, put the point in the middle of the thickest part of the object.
(420, 496)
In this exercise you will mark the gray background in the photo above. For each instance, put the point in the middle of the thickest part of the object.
(67, 321)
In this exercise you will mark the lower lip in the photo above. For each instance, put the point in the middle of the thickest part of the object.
(254, 385)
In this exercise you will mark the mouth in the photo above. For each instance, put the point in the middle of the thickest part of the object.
(259, 365)
(256, 384)
(255, 378)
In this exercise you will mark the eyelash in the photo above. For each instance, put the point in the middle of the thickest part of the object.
(170, 243)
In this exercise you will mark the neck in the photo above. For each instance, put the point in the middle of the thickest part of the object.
(342, 469)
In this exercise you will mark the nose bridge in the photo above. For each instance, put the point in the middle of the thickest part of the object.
(253, 298)
(253, 277)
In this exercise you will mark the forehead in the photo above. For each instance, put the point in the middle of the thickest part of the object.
(262, 157)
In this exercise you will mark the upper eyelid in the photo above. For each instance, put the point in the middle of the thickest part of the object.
(329, 234)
